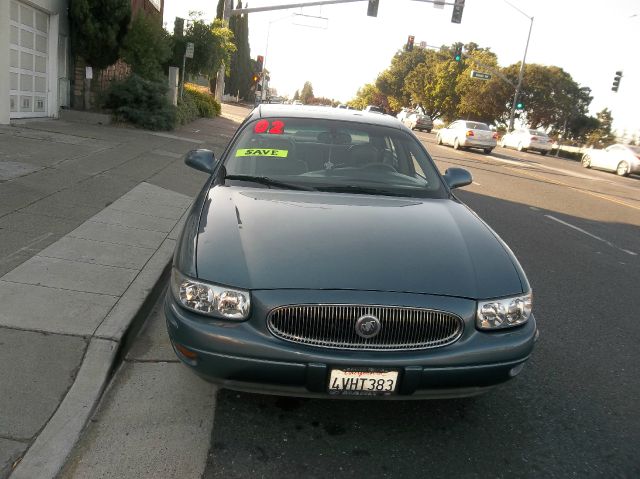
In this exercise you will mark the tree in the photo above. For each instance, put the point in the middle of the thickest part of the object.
(98, 29)
(432, 84)
(391, 82)
(213, 46)
(146, 47)
(369, 94)
(240, 70)
(307, 92)
(482, 100)
(296, 95)
(602, 136)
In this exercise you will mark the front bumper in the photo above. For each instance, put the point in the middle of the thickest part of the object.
(246, 356)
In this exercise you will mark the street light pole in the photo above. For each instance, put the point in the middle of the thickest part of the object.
(515, 96)
(521, 74)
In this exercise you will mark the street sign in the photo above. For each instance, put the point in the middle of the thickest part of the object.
(480, 75)
(189, 51)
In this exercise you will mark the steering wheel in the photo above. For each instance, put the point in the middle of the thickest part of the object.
(379, 167)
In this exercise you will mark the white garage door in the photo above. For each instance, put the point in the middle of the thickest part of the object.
(28, 62)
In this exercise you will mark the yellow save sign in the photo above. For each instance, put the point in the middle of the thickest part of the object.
(262, 152)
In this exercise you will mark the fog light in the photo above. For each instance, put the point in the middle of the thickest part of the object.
(515, 371)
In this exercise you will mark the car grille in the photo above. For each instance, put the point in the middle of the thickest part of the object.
(334, 326)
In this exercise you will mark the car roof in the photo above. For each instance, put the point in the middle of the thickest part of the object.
(324, 113)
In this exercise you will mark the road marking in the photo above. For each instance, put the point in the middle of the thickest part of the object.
(555, 182)
(176, 137)
(609, 243)
(28, 248)
(476, 183)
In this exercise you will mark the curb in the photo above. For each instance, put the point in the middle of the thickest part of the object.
(49, 452)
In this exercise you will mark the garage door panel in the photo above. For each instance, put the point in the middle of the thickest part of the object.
(41, 43)
(28, 51)
(14, 12)
(26, 61)
(26, 103)
(42, 23)
(26, 39)
(14, 62)
(26, 16)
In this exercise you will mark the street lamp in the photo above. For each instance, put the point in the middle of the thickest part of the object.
(521, 74)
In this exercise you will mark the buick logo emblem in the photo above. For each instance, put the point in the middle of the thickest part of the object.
(367, 326)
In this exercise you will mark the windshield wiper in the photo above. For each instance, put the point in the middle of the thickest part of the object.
(265, 180)
(360, 189)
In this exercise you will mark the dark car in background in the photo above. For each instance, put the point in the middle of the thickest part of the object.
(326, 256)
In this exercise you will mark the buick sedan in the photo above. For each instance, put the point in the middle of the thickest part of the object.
(326, 256)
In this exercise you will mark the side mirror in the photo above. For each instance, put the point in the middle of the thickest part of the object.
(457, 177)
(201, 160)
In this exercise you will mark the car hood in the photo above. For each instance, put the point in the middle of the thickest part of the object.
(256, 238)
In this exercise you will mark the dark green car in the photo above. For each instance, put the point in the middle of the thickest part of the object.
(326, 256)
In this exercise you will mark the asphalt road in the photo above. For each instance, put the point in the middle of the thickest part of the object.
(573, 412)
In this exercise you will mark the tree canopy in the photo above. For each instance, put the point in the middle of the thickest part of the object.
(213, 46)
(307, 92)
(444, 88)
(97, 29)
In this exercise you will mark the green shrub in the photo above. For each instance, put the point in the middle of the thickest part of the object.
(196, 104)
(141, 102)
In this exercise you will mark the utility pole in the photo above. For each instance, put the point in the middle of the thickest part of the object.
(521, 74)
(226, 15)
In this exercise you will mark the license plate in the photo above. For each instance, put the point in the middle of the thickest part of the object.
(362, 382)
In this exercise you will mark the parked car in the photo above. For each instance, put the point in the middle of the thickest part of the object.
(418, 121)
(623, 159)
(404, 112)
(326, 256)
(297, 102)
(524, 139)
(468, 134)
(373, 109)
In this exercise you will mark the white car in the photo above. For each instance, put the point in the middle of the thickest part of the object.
(404, 113)
(623, 159)
(468, 134)
(525, 139)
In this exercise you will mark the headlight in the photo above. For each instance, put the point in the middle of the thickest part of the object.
(210, 299)
(504, 313)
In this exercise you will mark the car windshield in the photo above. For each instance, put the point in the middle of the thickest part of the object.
(635, 149)
(474, 125)
(537, 133)
(330, 155)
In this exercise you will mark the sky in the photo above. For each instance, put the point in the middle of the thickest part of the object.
(346, 49)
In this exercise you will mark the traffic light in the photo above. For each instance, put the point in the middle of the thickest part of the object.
(457, 53)
(260, 63)
(456, 16)
(520, 105)
(255, 79)
(372, 9)
(410, 40)
(616, 81)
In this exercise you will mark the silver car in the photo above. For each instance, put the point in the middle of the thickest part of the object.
(525, 139)
(623, 159)
(468, 134)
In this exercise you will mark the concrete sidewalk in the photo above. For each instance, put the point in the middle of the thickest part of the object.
(88, 221)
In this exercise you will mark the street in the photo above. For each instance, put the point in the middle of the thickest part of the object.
(572, 412)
